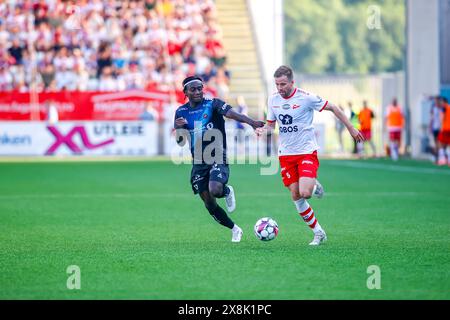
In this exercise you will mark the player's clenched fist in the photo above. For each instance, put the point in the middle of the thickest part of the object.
(257, 124)
(180, 122)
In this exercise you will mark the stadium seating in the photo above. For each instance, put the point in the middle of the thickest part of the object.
(109, 45)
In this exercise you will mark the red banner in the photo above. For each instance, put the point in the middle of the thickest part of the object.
(77, 105)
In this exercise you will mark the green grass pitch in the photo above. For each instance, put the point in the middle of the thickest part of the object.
(137, 232)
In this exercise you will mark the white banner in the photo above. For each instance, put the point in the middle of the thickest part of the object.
(130, 138)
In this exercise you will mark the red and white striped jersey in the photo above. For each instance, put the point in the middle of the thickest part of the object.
(295, 115)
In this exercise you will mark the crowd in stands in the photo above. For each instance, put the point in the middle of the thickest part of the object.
(109, 45)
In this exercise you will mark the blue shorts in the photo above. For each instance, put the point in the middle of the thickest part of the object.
(202, 174)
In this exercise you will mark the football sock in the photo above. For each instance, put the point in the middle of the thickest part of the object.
(394, 151)
(360, 147)
(441, 153)
(221, 217)
(307, 213)
(235, 228)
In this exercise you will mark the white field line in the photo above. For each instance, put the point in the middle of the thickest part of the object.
(389, 167)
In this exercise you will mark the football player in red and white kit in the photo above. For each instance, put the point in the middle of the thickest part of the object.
(293, 109)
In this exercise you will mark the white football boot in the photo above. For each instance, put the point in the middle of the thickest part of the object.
(319, 237)
(236, 234)
(230, 200)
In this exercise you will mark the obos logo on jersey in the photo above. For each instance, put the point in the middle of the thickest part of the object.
(286, 106)
(287, 120)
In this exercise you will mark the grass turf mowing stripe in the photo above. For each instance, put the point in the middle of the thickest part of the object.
(137, 232)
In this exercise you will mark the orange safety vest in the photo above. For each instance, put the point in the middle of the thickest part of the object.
(365, 118)
(394, 118)
(446, 118)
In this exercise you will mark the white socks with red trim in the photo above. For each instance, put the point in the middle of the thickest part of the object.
(307, 214)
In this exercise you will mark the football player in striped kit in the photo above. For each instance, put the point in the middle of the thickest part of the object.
(293, 109)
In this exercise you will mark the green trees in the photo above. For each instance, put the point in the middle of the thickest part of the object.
(343, 36)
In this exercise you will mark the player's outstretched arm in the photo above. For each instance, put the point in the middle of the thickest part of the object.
(341, 116)
(244, 119)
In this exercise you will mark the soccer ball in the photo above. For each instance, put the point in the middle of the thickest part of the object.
(266, 229)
